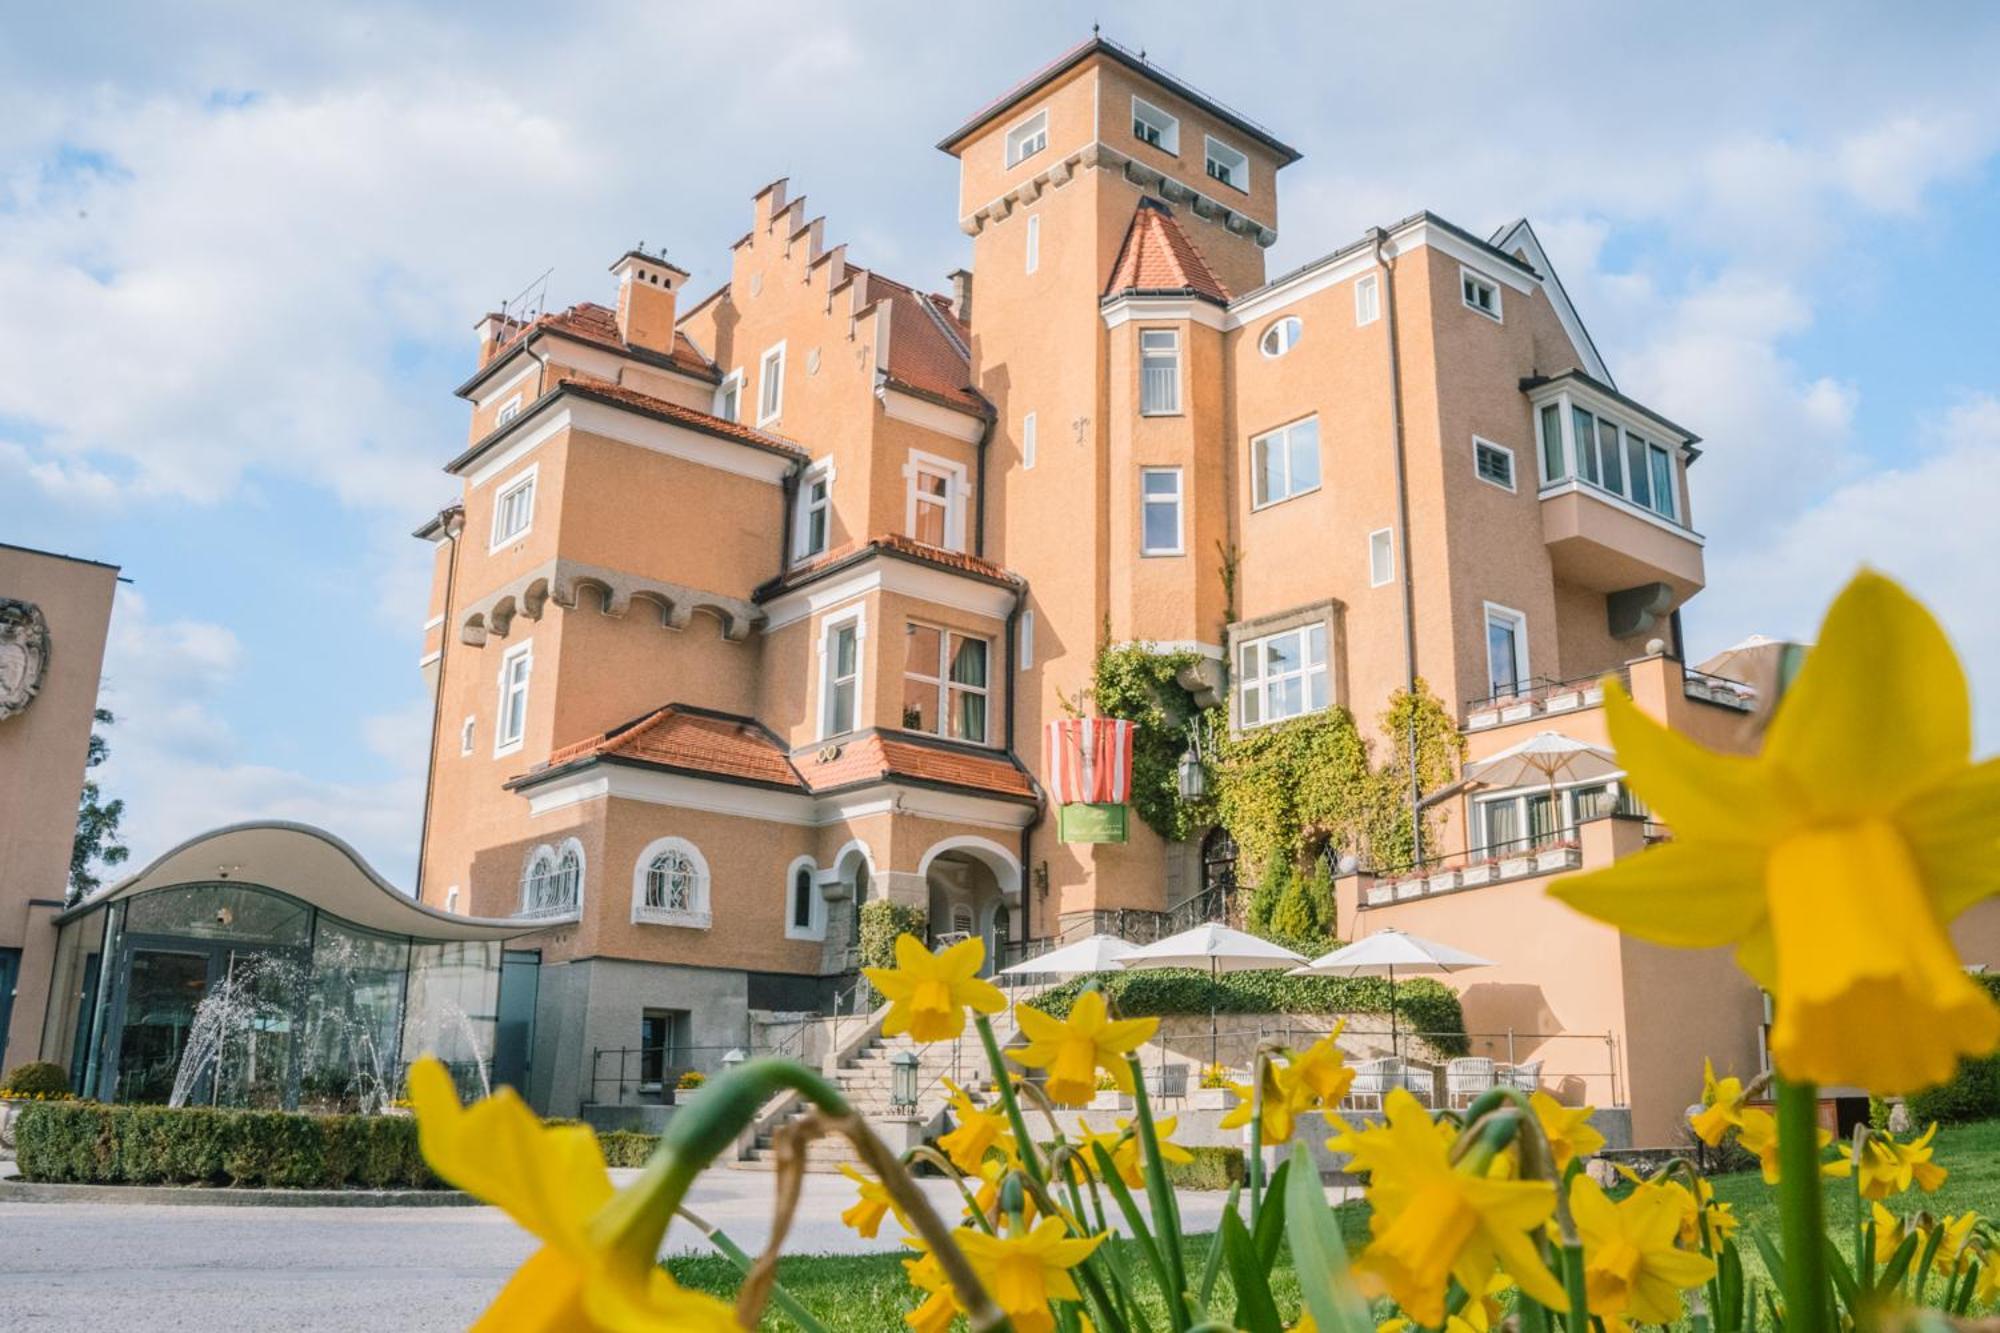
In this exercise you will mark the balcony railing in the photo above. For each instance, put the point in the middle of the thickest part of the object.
(1540, 696)
(1719, 690)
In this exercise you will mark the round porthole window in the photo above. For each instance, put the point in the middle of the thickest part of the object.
(1282, 336)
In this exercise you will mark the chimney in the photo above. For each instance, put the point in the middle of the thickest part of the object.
(961, 294)
(494, 331)
(646, 287)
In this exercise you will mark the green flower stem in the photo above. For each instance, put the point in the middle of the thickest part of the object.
(1031, 1161)
(1256, 1137)
(1801, 1208)
(735, 1253)
(1864, 1267)
(1579, 1301)
(1166, 1209)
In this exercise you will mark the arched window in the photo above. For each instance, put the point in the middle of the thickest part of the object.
(805, 914)
(860, 897)
(552, 880)
(670, 885)
(1281, 337)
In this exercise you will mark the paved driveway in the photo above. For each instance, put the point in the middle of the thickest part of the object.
(127, 1266)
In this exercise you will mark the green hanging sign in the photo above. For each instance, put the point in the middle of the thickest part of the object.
(1091, 823)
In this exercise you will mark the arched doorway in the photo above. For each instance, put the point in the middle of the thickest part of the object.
(972, 886)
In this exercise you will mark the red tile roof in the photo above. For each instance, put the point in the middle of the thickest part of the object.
(589, 322)
(1158, 257)
(592, 387)
(929, 349)
(895, 544)
(698, 740)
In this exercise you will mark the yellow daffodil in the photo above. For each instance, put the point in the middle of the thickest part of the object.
(1632, 1269)
(938, 1308)
(867, 1212)
(1834, 860)
(1569, 1130)
(1073, 1049)
(551, 1179)
(1888, 1168)
(977, 1133)
(929, 993)
(1888, 1229)
(1321, 1069)
(1432, 1221)
(1285, 1099)
(1954, 1244)
(1023, 1273)
(1757, 1131)
(1126, 1152)
(1694, 1207)
(1986, 1290)
(1721, 1106)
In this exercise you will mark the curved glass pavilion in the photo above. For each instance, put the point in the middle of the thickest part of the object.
(266, 965)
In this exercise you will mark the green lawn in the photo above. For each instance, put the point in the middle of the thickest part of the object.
(868, 1293)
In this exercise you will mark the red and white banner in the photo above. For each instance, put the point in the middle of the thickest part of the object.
(1090, 761)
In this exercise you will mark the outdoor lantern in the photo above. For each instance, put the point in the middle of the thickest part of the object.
(903, 1080)
(1194, 778)
(733, 1058)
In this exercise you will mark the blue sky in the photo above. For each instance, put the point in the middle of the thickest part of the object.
(242, 248)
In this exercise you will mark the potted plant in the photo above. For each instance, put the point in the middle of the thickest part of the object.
(1483, 871)
(1108, 1097)
(687, 1085)
(1212, 1091)
(37, 1081)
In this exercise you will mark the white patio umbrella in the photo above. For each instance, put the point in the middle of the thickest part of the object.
(1099, 953)
(1216, 949)
(1380, 954)
(1544, 756)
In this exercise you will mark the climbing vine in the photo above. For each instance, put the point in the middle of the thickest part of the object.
(1140, 685)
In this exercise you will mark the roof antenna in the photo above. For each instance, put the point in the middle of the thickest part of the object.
(1093, 30)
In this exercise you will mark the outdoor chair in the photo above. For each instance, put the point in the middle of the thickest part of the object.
(1421, 1082)
(1372, 1081)
(1527, 1077)
(1465, 1079)
(1167, 1083)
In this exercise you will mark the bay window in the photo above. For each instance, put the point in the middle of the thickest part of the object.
(945, 683)
(1582, 443)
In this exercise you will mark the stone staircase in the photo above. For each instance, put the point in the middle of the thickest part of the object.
(866, 1079)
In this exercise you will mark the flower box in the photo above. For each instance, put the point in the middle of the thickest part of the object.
(1513, 867)
(1485, 717)
(1593, 694)
(1483, 873)
(1409, 888)
(1562, 701)
(1519, 712)
(1442, 881)
(1557, 858)
(1210, 1099)
(1110, 1101)
(1380, 893)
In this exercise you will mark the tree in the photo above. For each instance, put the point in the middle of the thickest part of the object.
(96, 820)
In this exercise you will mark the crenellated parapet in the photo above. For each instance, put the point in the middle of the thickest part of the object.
(565, 582)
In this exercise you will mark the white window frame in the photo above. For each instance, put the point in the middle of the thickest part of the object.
(1027, 136)
(944, 684)
(1025, 638)
(857, 617)
(554, 854)
(1242, 159)
(1512, 484)
(1473, 275)
(1030, 441)
(1177, 499)
(1288, 328)
(954, 495)
(803, 507)
(468, 731)
(522, 654)
(508, 411)
(1367, 299)
(1518, 621)
(1262, 683)
(1173, 337)
(1572, 450)
(1032, 258)
(815, 927)
(1168, 127)
(697, 915)
(728, 403)
(771, 384)
(522, 482)
(1290, 494)
(1382, 572)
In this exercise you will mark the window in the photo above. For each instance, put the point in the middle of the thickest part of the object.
(1479, 294)
(945, 683)
(932, 497)
(771, 385)
(552, 880)
(511, 720)
(1381, 557)
(1033, 258)
(961, 920)
(815, 517)
(805, 913)
(1493, 462)
(1608, 456)
(1284, 462)
(670, 886)
(1160, 511)
(1154, 126)
(936, 514)
(1663, 482)
(1281, 676)
(1031, 136)
(1506, 650)
(1522, 820)
(729, 397)
(1028, 441)
(1640, 486)
(660, 1044)
(1025, 636)
(1159, 372)
(1281, 337)
(840, 675)
(508, 411)
(1227, 165)
(1367, 300)
(514, 509)
(466, 731)
(1554, 467)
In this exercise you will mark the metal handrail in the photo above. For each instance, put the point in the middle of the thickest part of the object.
(1532, 689)
(1742, 696)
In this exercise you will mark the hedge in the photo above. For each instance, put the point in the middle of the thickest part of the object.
(37, 1078)
(91, 1144)
(1973, 1092)
(1422, 1005)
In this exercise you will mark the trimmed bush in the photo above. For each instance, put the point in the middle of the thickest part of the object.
(1422, 1005)
(1973, 1092)
(89, 1144)
(1213, 1168)
(626, 1147)
(38, 1078)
